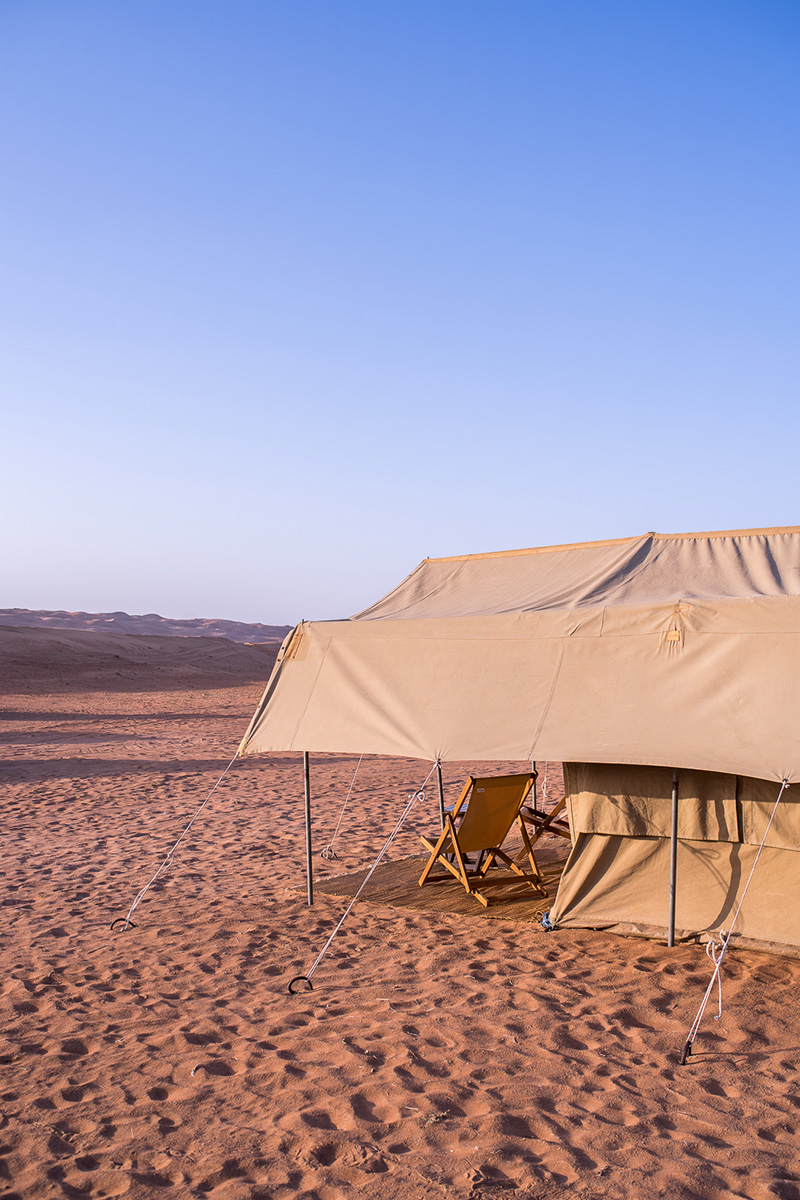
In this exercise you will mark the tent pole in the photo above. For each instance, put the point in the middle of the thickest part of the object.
(440, 785)
(309, 868)
(673, 859)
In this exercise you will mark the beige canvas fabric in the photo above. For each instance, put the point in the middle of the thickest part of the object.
(653, 569)
(621, 884)
(757, 800)
(617, 876)
(637, 802)
(662, 650)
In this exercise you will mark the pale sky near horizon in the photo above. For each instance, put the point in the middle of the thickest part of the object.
(295, 293)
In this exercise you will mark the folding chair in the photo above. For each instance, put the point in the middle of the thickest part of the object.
(541, 822)
(490, 807)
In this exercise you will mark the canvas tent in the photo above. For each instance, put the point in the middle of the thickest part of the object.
(623, 659)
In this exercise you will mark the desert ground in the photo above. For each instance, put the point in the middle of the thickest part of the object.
(439, 1054)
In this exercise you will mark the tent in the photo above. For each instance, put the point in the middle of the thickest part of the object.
(625, 660)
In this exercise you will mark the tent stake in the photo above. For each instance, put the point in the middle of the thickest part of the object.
(673, 859)
(309, 867)
(441, 791)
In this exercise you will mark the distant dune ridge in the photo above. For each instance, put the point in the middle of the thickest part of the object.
(58, 660)
(147, 625)
(114, 652)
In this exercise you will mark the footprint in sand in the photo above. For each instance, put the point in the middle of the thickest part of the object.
(153, 1179)
(202, 1039)
(512, 1126)
(87, 1162)
(325, 1155)
(318, 1119)
(73, 1048)
(110, 1183)
(75, 1092)
(214, 1066)
(59, 1146)
(372, 1112)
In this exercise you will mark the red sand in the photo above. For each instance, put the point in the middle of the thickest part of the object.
(435, 1057)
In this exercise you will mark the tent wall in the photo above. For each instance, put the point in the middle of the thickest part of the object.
(617, 875)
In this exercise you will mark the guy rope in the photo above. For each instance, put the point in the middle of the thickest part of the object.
(125, 922)
(329, 851)
(418, 795)
(716, 951)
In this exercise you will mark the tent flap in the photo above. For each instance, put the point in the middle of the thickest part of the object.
(637, 802)
(622, 884)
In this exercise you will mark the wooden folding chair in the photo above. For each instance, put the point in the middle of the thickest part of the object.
(541, 822)
(487, 809)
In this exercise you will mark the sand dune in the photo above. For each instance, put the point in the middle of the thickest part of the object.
(55, 660)
(146, 625)
(438, 1055)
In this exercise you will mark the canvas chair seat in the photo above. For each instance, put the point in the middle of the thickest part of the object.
(487, 808)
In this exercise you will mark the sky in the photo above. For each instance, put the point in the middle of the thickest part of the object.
(295, 293)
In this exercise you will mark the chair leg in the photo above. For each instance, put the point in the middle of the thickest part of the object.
(438, 855)
(485, 863)
(533, 881)
(462, 868)
(435, 850)
(536, 881)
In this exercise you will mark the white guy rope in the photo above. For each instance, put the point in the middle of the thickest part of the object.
(329, 851)
(419, 794)
(717, 955)
(713, 951)
(168, 860)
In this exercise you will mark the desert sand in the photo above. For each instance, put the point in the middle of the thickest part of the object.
(439, 1054)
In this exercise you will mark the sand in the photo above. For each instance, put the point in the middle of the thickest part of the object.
(440, 1054)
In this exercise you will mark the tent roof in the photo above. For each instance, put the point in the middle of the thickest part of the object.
(654, 568)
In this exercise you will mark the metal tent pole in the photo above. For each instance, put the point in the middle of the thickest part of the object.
(440, 785)
(673, 860)
(309, 867)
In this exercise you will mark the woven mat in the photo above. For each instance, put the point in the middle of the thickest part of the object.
(395, 884)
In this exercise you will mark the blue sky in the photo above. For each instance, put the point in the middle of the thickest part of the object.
(296, 293)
